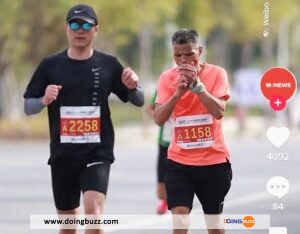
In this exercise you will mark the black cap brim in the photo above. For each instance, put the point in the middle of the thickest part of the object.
(89, 20)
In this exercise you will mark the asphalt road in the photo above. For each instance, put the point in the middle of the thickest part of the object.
(25, 186)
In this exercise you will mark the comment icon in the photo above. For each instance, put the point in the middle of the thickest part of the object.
(278, 186)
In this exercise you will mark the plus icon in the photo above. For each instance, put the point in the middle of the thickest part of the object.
(277, 103)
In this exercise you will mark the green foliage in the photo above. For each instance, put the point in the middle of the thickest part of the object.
(29, 31)
(196, 14)
(32, 29)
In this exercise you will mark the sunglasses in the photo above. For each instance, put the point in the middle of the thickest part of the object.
(75, 26)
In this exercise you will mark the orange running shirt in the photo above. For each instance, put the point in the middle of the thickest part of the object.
(197, 138)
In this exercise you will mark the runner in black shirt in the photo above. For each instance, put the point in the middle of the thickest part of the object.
(75, 84)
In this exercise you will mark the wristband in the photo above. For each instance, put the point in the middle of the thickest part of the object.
(197, 86)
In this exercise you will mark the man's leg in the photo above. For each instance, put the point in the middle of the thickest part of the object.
(214, 224)
(180, 219)
(94, 183)
(216, 231)
(161, 191)
(66, 189)
(180, 195)
(68, 212)
(214, 184)
(161, 172)
(93, 205)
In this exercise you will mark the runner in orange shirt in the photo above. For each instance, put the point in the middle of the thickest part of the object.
(195, 95)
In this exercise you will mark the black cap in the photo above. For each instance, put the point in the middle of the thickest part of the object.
(83, 12)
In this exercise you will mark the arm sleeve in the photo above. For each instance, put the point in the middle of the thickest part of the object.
(136, 97)
(221, 86)
(33, 105)
(118, 87)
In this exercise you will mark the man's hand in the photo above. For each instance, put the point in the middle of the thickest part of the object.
(51, 94)
(188, 71)
(182, 87)
(188, 75)
(129, 78)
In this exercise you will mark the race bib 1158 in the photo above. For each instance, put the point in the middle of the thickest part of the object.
(196, 131)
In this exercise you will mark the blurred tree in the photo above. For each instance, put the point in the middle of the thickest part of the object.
(24, 40)
(211, 20)
(249, 26)
(9, 29)
(123, 21)
(8, 33)
(197, 14)
(224, 21)
(31, 29)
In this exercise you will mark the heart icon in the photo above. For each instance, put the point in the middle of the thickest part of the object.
(278, 136)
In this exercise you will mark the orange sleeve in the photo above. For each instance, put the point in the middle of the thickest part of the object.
(221, 86)
(163, 90)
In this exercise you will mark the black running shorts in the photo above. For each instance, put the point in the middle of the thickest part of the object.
(209, 183)
(69, 178)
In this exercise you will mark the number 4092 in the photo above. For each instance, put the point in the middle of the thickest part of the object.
(278, 156)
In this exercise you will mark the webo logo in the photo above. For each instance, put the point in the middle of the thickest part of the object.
(247, 221)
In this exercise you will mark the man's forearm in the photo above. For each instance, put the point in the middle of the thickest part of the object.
(136, 97)
(33, 105)
(214, 105)
(163, 112)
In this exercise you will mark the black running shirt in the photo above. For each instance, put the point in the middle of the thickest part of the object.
(79, 120)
